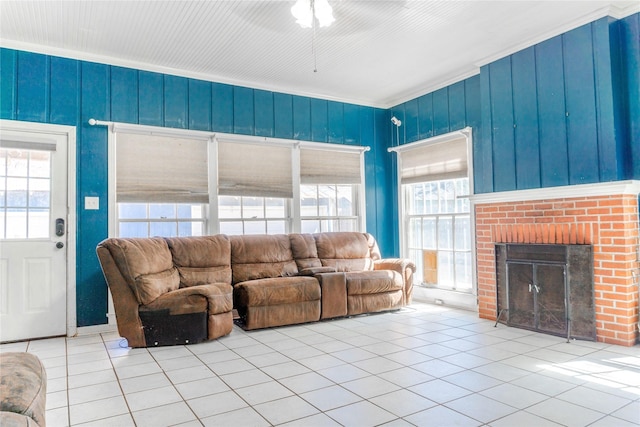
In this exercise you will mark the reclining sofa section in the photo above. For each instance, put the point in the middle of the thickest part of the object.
(176, 290)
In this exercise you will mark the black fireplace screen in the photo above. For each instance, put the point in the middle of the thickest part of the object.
(547, 288)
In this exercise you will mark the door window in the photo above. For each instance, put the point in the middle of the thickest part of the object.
(25, 193)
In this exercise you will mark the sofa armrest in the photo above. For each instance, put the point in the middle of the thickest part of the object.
(124, 301)
(312, 271)
(213, 298)
(405, 267)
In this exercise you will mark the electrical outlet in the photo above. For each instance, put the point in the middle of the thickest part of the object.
(92, 203)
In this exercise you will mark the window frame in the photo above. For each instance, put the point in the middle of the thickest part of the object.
(467, 133)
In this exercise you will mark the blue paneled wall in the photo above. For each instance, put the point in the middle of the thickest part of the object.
(565, 111)
(41, 88)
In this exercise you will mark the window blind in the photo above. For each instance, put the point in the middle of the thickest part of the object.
(254, 170)
(159, 169)
(319, 166)
(442, 160)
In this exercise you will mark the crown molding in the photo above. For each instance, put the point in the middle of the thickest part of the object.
(125, 63)
(612, 11)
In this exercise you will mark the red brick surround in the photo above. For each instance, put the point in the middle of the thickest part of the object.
(608, 222)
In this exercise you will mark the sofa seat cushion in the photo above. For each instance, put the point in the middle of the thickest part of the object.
(201, 260)
(213, 298)
(373, 282)
(23, 387)
(275, 291)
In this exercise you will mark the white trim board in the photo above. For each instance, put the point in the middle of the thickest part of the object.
(631, 187)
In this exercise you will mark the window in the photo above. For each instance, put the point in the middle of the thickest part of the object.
(328, 208)
(160, 219)
(198, 183)
(253, 215)
(329, 187)
(436, 211)
(439, 232)
(167, 193)
(25, 193)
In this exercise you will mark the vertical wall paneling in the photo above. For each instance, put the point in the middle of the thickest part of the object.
(221, 107)
(457, 115)
(91, 291)
(351, 120)
(482, 148)
(243, 116)
(386, 198)
(199, 105)
(441, 111)
(283, 114)
(176, 102)
(33, 87)
(504, 171)
(620, 97)
(554, 159)
(263, 107)
(425, 116)
(150, 98)
(525, 111)
(336, 122)
(319, 120)
(65, 75)
(611, 131)
(124, 95)
(473, 106)
(410, 123)
(301, 118)
(9, 73)
(582, 140)
(630, 53)
(366, 125)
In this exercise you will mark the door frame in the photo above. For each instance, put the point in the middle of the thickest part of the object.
(69, 132)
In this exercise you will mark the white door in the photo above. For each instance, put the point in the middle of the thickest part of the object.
(33, 235)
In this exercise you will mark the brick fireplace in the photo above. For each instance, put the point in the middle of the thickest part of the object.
(603, 215)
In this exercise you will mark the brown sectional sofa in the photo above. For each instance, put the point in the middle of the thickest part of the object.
(163, 288)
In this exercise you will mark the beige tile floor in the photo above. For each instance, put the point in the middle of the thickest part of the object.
(424, 365)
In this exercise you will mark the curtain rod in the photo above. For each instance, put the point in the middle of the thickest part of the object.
(225, 137)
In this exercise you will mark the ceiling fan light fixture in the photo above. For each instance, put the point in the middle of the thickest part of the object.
(305, 11)
(323, 12)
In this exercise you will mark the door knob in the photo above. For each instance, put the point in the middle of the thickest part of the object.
(59, 245)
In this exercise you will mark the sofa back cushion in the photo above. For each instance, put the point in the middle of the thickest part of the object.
(305, 253)
(146, 265)
(344, 251)
(201, 260)
(261, 256)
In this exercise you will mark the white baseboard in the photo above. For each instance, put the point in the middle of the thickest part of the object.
(461, 300)
(96, 329)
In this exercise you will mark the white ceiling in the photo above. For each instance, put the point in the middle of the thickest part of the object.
(377, 53)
